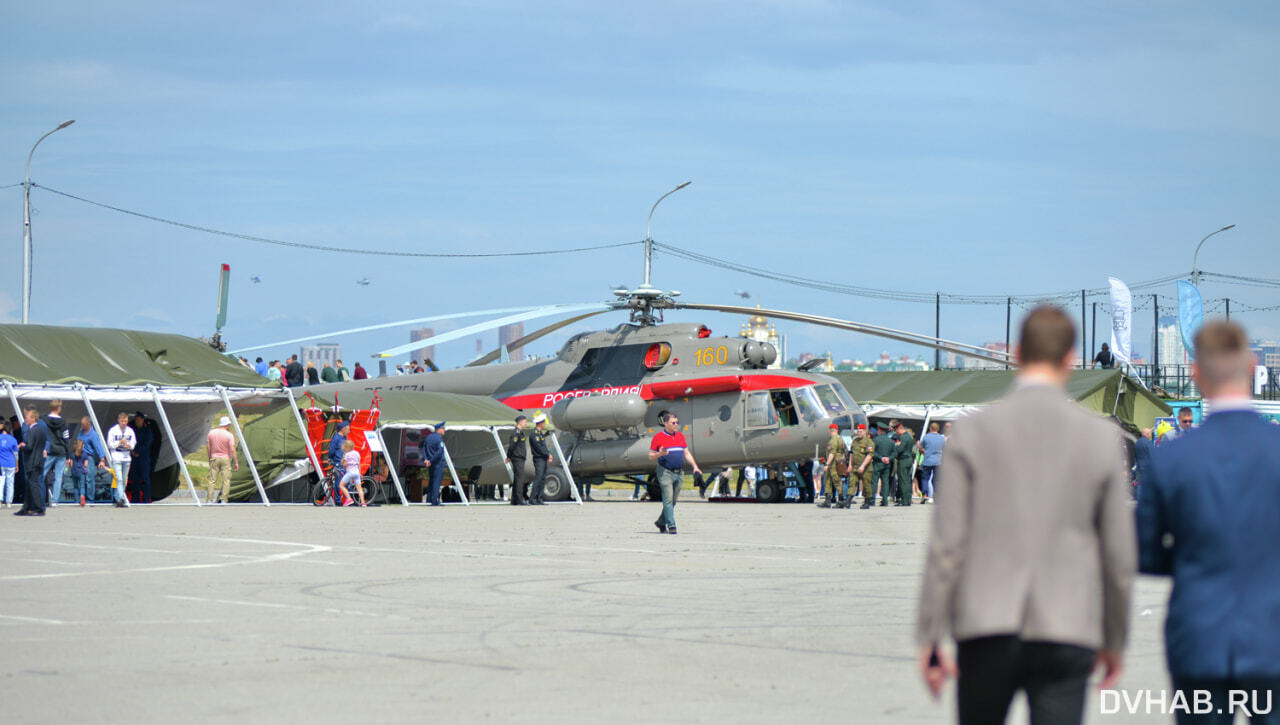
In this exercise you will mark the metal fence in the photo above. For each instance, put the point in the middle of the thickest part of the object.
(1176, 381)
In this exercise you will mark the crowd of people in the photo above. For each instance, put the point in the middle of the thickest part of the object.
(882, 460)
(292, 373)
(41, 454)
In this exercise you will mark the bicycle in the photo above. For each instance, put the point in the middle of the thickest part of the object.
(322, 492)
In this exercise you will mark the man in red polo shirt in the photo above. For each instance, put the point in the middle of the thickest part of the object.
(669, 449)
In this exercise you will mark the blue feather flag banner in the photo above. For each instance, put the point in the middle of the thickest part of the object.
(1190, 315)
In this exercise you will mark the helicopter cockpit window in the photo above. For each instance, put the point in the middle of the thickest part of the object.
(760, 412)
(807, 403)
(849, 403)
(830, 400)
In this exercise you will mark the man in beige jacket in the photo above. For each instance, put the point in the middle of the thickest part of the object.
(1032, 551)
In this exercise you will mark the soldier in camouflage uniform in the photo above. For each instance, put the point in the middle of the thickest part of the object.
(860, 467)
(836, 454)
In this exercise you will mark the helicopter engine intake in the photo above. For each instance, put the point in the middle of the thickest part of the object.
(599, 412)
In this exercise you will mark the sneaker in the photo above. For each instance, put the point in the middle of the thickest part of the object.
(662, 528)
(347, 502)
(53, 504)
(672, 531)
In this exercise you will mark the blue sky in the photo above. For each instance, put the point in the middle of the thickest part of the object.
(989, 148)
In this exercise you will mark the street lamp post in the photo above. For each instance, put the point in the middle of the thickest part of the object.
(26, 227)
(648, 237)
(1195, 269)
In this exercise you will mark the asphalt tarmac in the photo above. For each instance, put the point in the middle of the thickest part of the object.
(753, 613)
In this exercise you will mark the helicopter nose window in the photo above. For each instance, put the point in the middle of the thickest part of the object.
(830, 400)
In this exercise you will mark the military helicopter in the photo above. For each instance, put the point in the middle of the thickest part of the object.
(604, 390)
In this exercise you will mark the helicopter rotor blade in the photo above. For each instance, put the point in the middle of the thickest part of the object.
(959, 348)
(385, 325)
(492, 324)
(531, 337)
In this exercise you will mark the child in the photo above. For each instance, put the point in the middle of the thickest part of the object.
(81, 472)
(351, 463)
(8, 464)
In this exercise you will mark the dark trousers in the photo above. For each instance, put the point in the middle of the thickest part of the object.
(904, 484)
(993, 669)
(517, 489)
(34, 494)
(1229, 696)
(141, 471)
(539, 478)
(881, 477)
(435, 473)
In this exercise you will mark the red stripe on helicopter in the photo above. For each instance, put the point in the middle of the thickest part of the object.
(666, 389)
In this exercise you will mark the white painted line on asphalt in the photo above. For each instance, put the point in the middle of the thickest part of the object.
(37, 620)
(273, 605)
(94, 546)
(269, 558)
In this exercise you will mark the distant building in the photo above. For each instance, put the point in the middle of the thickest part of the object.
(1267, 352)
(1169, 343)
(973, 363)
(508, 334)
(427, 352)
(325, 352)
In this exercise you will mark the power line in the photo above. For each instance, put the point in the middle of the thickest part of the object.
(902, 295)
(343, 250)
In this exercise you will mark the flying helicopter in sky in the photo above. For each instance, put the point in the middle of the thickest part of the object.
(363, 281)
(604, 390)
(743, 294)
(256, 280)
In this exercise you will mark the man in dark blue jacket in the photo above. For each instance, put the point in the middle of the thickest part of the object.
(1208, 512)
(433, 456)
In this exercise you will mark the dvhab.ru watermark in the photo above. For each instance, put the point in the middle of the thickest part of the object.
(1195, 702)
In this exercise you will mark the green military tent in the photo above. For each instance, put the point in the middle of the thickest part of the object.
(949, 394)
(46, 355)
(178, 382)
(282, 461)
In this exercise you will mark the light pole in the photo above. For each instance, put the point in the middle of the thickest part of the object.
(1195, 270)
(26, 227)
(648, 238)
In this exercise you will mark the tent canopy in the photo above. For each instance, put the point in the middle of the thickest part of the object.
(1096, 390)
(279, 449)
(43, 354)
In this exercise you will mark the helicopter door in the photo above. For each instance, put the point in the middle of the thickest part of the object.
(760, 420)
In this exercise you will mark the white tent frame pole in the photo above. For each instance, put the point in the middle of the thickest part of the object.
(244, 444)
(306, 438)
(457, 482)
(13, 398)
(924, 428)
(573, 486)
(102, 437)
(386, 456)
(173, 441)
(502, 456)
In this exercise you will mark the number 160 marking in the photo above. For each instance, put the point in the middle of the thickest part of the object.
(712, 355)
